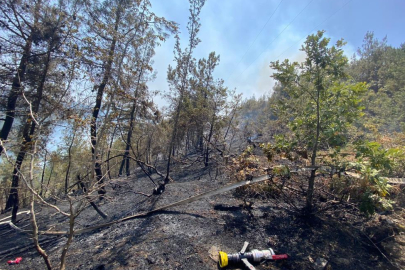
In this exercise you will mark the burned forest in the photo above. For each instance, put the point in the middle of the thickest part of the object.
(128, 141)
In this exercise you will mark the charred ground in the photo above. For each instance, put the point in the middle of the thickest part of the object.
(187, 236)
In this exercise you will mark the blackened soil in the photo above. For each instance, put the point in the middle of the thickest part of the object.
(181, 238)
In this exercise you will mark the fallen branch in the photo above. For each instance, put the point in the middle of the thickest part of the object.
(34, 236)
(158, 189)
(214, 146)
(83, 186)
(150, 166)
(147, 173)
(382, 253)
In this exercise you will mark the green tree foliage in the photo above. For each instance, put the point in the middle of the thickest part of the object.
(383, 68)
(18, 39)
(319, 99)
(201, 95)
(114, 42)
(205, 105)
(179, 76)
(44, 66)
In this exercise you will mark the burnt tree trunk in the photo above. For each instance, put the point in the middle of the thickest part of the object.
(43, 175)
(149, 152)
(13, 198)
(125, 159)
(97, 107)
(28, 133)
(133, 114)
(15, 92)
(174, 135)
(69, 162)
(109, 151)
(207, 150)
(49, 179)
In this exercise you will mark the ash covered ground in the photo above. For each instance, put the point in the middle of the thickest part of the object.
(187, 236)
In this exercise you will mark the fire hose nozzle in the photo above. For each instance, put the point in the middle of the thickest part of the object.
(223, 259)
(252, 256)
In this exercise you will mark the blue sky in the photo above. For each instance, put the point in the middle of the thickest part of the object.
(248, 38)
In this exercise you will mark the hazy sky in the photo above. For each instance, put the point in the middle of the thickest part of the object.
(249, 34)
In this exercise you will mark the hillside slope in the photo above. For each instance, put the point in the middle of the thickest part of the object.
(182, 238)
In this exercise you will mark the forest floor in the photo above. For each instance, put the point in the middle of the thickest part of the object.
(189, 236)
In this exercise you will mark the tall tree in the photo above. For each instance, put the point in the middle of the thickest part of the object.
(20, 23)
(114, 31)
(202, 92)
(382, 67)
(51, 35)
(98, 12)
(318, 98)
(208, 98)
(372, 59)
(137, 80)
(178, 77)
(217, 105)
